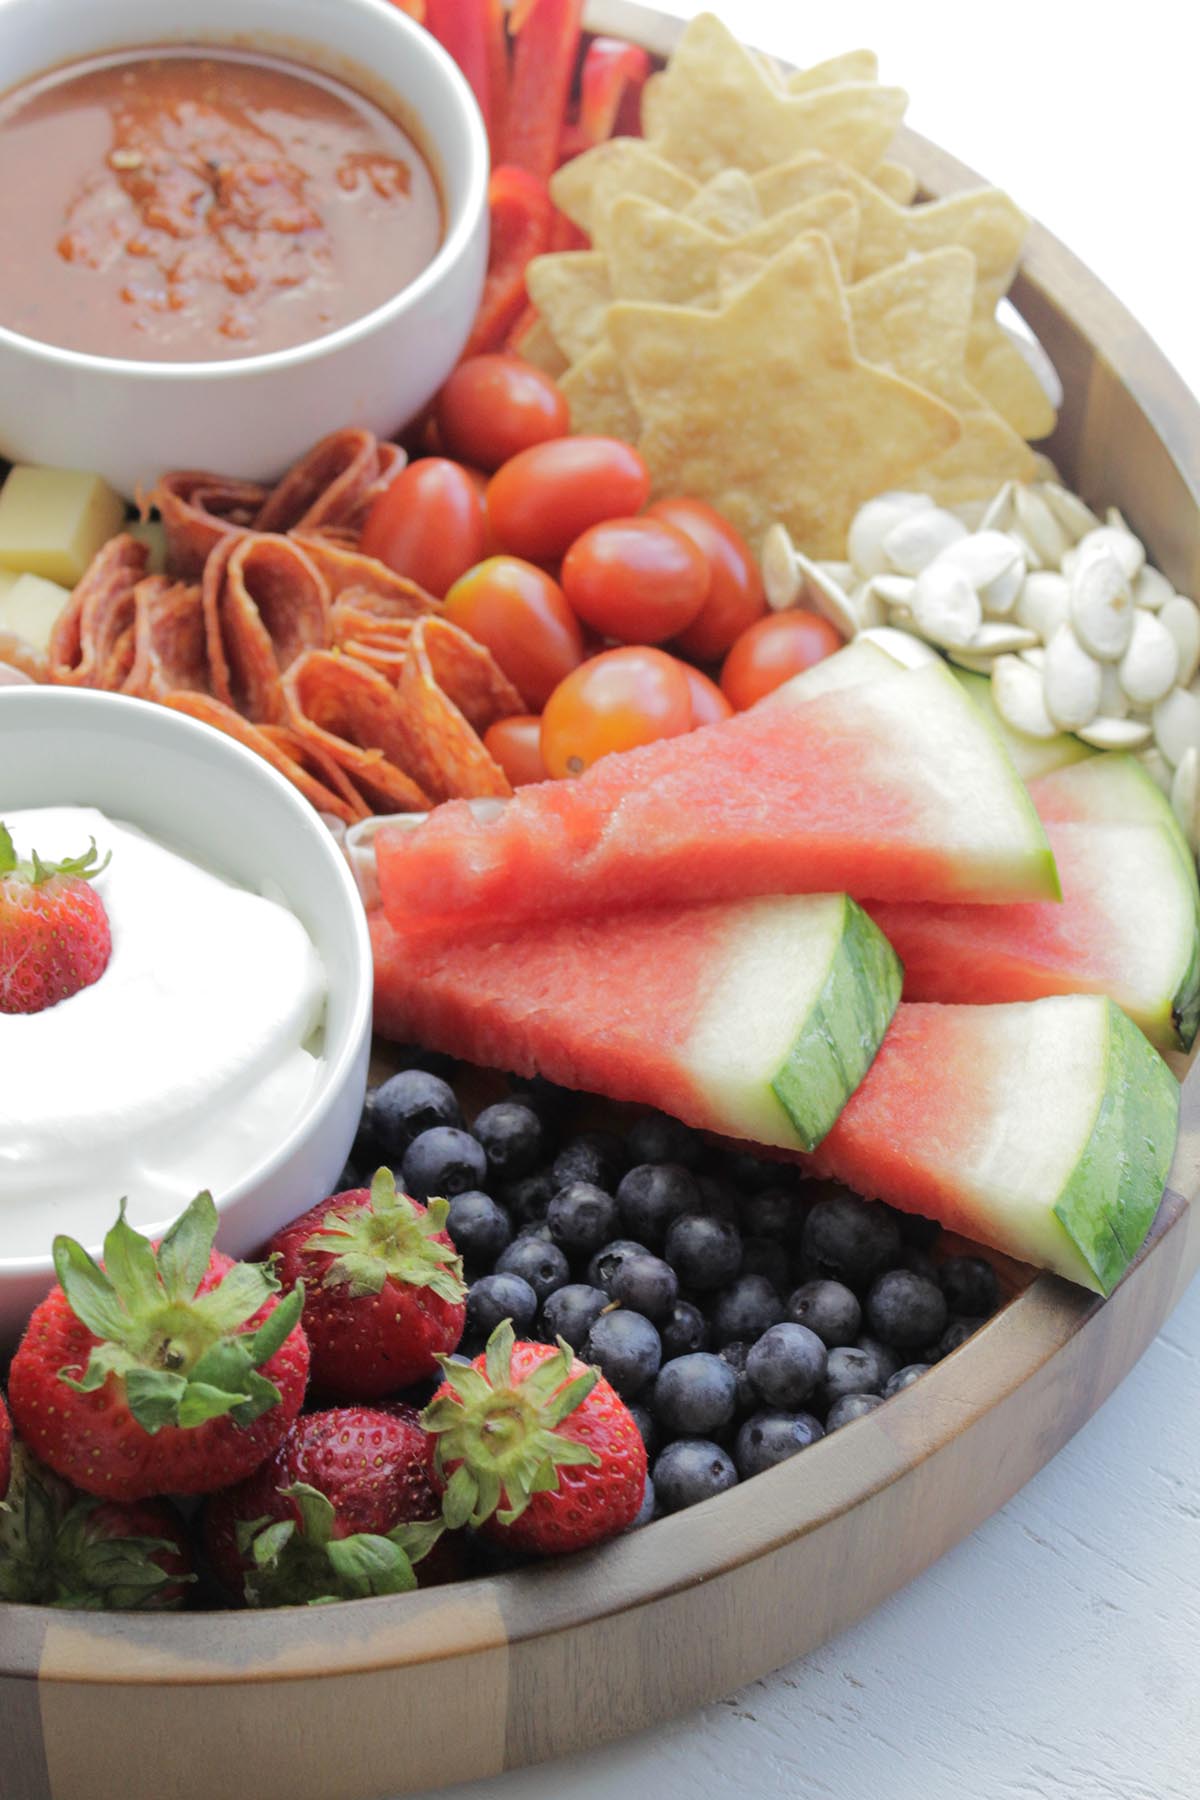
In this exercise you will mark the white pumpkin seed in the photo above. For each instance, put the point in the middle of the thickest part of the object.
(1071, 680)
(1043, 602)
(1036, 658)
(1150, 667)
(868, 605)
(970, 512)
(994, 563)
(1177, 724)
(1001, 638)
(1101, 603)
(1073, 514)
(913, 652)
(1185, 797)
(946, 607)
(1156, 766)
(1115, 734)
(1151, 590)
(894, 590)
(1017, 692)
(783, 583)
(871, 524)
(1117, 538)
(1182, 620)
(913, 543)
(1039, 527)
(826, 596)
(975, 665)
(841, 572)
(1114, 701)
(998, 513)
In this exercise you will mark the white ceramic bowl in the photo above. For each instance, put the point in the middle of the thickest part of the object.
(251, 417)
(217, 801)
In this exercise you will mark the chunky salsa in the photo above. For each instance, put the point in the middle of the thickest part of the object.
(181, 205)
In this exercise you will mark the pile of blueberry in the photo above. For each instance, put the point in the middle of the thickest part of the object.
(740, 1312)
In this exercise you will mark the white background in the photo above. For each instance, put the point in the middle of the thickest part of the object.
(1055, 1655)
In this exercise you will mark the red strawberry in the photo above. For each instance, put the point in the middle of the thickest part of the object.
(342, 1509)
(54, 936)
(384, 1291)
(168, 1372)
(536, 1447)
(62, 1548)
(5, 1447)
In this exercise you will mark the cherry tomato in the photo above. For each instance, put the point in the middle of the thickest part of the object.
(709, 704)
(543, 499)
(494, 406)
(428, 524)
(617, 700)
(516, 745)
(772, 651)
(735, 594)
(637, 580)
(519, 612)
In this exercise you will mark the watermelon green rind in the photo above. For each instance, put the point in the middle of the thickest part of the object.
(1109, 1203)
(844, 1028)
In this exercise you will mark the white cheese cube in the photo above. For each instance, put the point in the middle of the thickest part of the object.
(29, 607)
(53, 521)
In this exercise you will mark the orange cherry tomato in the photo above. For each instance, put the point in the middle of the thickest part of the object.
(772, 651)
(428, 524)
(519, 612)
(735, 593)
(543, 499)
(494, 406)
(616, 701)
(516, 745)
(709, 704)
(637, 580)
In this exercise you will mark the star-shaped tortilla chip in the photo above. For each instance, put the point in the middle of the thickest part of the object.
(572, 291)
(766, 410)
(586, 187)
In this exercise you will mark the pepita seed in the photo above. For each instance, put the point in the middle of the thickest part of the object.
(912, 544)
(913, 652)
(1043, 602)
(946, 607)
(1182, 620)
(1117, 538)
(1073, 514)
(1101, 603)
(1151, 590)
(1071, 680)
(997, 638)
(1038, 525)
(782, 581)
(871, 524)
(1150, 667)
(1115, 734)
(1176, 721)
(1017, 692)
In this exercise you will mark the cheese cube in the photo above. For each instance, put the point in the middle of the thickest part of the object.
(29, 607)
(53, 521)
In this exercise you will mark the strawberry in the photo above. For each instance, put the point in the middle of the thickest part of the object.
(62, 1548)
(54, 935)
(168, 1372)
(344, 1508)
(5, 1447)
(384, 1290)
(535, 1447)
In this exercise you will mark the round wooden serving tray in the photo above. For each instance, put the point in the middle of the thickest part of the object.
(380, 1698)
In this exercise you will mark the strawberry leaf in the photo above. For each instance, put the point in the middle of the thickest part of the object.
(130, 1266)
(365, 1564)
(90, 1294)
(201, 1402)
(153, 1397)
(184, 1251)
(8, 855)
(277, 1327)
(262, 1395)
(243, 1290)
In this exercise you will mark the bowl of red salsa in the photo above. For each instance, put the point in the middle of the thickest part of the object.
(238, 225)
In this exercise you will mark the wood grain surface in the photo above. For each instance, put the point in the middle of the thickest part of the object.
(339, 1703)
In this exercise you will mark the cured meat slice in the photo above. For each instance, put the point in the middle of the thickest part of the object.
(452, 690)
(347, 710)
(168, 639)
(198, 509)
(223, 718)
(333, 485)
(348, 570)
(265, 603)
(319, 764)
(91, 644)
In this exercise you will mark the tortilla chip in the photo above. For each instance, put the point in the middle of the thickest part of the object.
(658, 255)
(897, 182)
(572, 292)
(727, 204)
(765, 410)
(600, 403)
(586, 187)
(717, 109)
(1001, 374)
(535, 344)
(851, 65)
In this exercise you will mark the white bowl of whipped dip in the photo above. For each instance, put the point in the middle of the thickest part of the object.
(225, 1045)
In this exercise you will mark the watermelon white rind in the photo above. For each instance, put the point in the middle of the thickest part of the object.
(1030, 756)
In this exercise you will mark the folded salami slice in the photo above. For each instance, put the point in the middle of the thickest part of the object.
(168, 642)
(353, 714)
(223, 718)
(198, 509)
(320, 765)
(334, 485)
(265, 603)
(91, 644)
(347, 570)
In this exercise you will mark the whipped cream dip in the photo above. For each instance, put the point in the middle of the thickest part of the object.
(183, 1067)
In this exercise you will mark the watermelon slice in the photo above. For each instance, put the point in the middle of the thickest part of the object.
(1030, 756)
(1045, 1130)
(891, 789)
(757, 1019)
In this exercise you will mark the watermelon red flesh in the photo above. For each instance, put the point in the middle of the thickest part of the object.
(894, 789)
(1127, 927)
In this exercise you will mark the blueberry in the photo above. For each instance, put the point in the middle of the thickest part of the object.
(496, 1297)
(905, 1309)
(768, 1438)
(406, 1105)
(904, 1378)
(513, 1138)
(691, 1470)
(850, 1371)
(705, 1252)
(736, 1355)
(571, 1311)
(849, 1408)
(582, 1218)
(766, 1257)
(748, 1173)
(916, 1230)
(443, 1160)
(886, 1360)
(542, 1265)
(917, 1262)
(718, 1200)
(786, 1364)
(645, 1284)
(829, 1309)
(609, 1258)
(748, 1307)
(479, 1228)
(539, 1230)
(686, 1330)
(694, 1395)
(646, 1511)
(954, 1337)
(656, 1138)
(647, 1425)
(545, 1098)
(849, 1239)
(528, 1200)
(774, 1212)
(654, 1194)
(626, 1349)
(595, 1156)
(970, 1286)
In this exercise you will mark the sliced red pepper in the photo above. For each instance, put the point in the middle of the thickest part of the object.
(613, 76)
(522, 216)
(473, 33)
(414, 8)
(547, 34)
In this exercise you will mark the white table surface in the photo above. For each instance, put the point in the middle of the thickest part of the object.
(1055, 1655)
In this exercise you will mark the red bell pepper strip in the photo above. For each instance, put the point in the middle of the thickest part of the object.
(547, 34)
(414, 8)
(522, 217)
(614, 74)
(473, 33)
